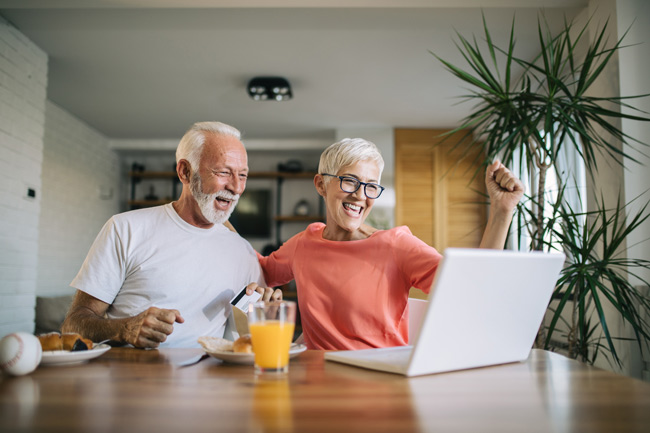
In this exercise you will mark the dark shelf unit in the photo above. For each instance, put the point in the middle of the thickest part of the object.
(137, 176)
(281, 178)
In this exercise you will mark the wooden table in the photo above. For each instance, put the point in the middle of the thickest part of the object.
(135, 390)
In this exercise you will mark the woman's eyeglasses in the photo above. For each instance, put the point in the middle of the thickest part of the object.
(350, 185)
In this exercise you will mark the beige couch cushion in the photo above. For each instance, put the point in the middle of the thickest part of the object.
(50, 313)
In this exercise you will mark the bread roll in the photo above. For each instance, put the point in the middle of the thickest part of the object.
(215, 344)
(51, 341)
(243, 344)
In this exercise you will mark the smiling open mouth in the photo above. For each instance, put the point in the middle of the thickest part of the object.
(352, 207)
(225, 201)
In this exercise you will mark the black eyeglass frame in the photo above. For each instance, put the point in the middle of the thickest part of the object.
(359, 183)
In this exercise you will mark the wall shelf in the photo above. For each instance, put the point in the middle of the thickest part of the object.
(147, 203)
(152, 174)
(137, 176)
(299, 218)
(281, 174)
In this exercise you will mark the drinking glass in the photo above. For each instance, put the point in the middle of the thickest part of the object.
(271, 325)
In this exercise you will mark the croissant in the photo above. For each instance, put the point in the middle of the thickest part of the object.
(69, 341)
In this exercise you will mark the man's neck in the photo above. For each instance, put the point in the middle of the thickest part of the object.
(189, 211)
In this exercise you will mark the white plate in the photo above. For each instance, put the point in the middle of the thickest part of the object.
(63, 357)
(249, 358)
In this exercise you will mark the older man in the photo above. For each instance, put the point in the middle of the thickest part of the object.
(165, 275)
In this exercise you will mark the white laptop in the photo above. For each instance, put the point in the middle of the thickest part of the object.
(485, 308)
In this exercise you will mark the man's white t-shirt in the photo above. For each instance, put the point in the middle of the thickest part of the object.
(153, 258)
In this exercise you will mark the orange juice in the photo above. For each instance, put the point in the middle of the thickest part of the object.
(271, 343)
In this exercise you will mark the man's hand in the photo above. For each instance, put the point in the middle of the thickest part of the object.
(151, 327)
(148, 329)
(268, 294)
(504, 188)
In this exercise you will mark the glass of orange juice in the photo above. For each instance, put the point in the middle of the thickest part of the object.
(271, 325)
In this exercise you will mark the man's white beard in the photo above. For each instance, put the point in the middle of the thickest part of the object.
(206, 201)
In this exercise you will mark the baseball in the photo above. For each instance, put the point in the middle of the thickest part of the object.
(20, 353)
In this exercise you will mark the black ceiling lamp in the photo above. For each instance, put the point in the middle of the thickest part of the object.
(269, 89)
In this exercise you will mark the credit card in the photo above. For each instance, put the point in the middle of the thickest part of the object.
(242, 300)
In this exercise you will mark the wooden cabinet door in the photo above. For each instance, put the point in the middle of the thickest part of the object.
(440, 195)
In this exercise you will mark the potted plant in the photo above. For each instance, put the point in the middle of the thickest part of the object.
(596, 274)
(526, 121)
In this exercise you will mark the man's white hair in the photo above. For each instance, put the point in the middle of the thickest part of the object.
(349, 151)
(191, 144)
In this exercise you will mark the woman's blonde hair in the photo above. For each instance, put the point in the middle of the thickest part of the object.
(349, 151)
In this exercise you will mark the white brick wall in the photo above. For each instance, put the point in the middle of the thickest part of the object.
(79, 171)
(23, 83)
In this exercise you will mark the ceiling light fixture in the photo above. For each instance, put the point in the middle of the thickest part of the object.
(269, 89)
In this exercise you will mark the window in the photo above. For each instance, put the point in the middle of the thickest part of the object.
(570, 172)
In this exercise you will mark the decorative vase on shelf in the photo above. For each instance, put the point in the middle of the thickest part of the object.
(302, 208)
(152, 194)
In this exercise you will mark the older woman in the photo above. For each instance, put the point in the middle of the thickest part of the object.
(353, 280)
